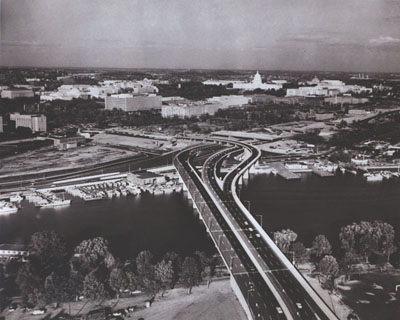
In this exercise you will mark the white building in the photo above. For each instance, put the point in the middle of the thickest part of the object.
(187, 110)
(17, 93)
(257, 83)
(129, 102)
(107, 87)
(12, 251)
(231, 101)
(326, 88)
(35, 122)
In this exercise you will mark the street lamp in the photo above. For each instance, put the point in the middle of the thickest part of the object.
(248, 204)
(261, 219)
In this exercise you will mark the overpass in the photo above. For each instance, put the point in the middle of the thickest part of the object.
(266, 283)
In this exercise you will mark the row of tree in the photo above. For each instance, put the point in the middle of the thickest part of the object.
(53, 275)
(358, 242)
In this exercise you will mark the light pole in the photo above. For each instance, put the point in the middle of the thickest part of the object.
(261, 219)
(248, 204)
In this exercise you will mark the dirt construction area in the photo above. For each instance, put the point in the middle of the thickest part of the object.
(46, 159)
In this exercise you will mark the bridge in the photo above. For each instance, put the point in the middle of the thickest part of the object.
(266, 283)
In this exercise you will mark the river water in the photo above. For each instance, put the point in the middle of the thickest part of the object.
(315, 205)
(309, 206)
(159, 223)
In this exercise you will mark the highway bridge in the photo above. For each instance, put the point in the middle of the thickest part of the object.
(266, 283)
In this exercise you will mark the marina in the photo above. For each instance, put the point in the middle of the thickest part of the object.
(93, 188)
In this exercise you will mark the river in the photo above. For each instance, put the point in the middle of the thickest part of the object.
(309, 206)
(158, 223)
(313, 205)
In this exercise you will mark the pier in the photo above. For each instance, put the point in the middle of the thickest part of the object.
(322, 173)
(283, 172)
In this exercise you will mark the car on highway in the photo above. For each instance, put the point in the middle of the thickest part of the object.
(279, 310)
(298, 305)
(38, 312)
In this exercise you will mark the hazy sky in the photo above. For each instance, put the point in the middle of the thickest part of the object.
(357, 35)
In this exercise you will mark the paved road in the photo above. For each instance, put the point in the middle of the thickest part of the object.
(299, 302)
(256, 292)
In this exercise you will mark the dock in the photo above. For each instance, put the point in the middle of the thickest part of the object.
(283, 172)
(322, 173)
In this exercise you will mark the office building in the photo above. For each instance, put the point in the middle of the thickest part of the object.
(231, 101)
(17, 93)
(187, 110)
(130, 102)
(35, 122)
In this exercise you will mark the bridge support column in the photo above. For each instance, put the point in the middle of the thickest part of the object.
(246, 174)
(240, 180)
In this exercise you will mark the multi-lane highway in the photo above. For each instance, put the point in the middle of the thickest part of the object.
(261, 301)
(272, 289)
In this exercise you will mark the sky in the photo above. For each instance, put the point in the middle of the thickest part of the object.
(334, 35)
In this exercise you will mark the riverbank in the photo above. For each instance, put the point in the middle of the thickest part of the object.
(216, 302)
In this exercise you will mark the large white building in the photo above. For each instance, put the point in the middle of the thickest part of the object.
(257, 83)
(187, 110)
(130, 102)
(17, 93)
(107, 87)
(35, 122)
(325, 88)
(231, 101)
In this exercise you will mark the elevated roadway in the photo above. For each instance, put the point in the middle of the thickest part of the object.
(270, 286)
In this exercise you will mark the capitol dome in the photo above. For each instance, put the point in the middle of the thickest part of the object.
(257, 78)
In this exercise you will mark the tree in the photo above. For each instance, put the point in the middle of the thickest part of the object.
(284, 238)
(144, 264)
(30, 285)
(384, 236)
(300, 252)
(347, 262)
(190, 275)
(47, 251)
(320, 247)
(164, 273)
(89, 254)
(365, 238)
(358, 237)
(176, 260)
(202, 259)
(93, 288)
(330, 268)
(118, 280)
(57, 288)
(206, 274)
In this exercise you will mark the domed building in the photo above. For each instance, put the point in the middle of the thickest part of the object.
(256, 83)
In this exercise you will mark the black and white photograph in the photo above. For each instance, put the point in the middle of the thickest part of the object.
(200, 159)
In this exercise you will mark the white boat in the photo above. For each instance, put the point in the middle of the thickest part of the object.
(372, 177)
(7, 208)
(56, 203)
(16, 198)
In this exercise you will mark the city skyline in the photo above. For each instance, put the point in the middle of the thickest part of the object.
(352, 35)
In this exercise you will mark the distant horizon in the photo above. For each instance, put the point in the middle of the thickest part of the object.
(192, 69)
(290, 35)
